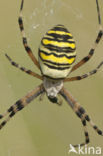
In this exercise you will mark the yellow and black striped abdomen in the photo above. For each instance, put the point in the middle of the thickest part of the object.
(57, 52)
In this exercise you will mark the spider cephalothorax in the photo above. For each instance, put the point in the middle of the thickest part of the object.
(57, 54)
(52, 88)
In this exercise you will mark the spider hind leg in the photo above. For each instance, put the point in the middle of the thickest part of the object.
(20, 104)
(81, 113)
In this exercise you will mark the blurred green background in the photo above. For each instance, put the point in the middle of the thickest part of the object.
(43, 128)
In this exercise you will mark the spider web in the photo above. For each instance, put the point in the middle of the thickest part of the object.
(49, 13)
(46, 14)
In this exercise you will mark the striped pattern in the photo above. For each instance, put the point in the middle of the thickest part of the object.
(57, 52)
(24, 39)
(91, 52)
(81, 113)
(94, 71)
(28, 71)
(98, 38)
(20, 104)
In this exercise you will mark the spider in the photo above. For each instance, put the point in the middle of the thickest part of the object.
(57, 53)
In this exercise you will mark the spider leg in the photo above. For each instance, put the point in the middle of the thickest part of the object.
(20, 104)
(27, 48)
(98, 38)
(80, 113)
(23, 68)
(69, 99)
(87, 140)
(94, 71)
(60, 101)
(41, 96)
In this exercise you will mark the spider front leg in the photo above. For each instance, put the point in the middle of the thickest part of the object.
(20, 104)
(98, 38)
(80, 113)
(27, 48)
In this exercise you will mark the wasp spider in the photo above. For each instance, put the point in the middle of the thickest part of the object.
(57, 53)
